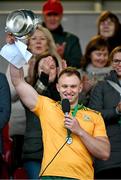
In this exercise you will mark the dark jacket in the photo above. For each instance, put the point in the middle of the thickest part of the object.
(105, 98)
(115, 40)
(33, 145)
(73, 52)
(5, 104)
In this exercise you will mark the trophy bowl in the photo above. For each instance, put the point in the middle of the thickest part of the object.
(20, 23)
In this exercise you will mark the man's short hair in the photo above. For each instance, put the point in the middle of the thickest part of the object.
(69, 71)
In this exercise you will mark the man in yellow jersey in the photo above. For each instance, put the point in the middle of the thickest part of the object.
(65, 159)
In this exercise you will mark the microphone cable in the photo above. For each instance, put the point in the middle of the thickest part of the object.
(54, 156)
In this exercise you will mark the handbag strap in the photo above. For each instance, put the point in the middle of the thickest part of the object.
(115, 86)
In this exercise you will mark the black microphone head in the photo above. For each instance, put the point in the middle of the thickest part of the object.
(65, 105)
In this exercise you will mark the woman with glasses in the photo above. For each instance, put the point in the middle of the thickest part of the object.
(109, 27)
(106, 98)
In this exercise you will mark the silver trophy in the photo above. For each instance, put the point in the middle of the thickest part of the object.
(21, 23)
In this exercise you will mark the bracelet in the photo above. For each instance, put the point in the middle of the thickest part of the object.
(40, 87)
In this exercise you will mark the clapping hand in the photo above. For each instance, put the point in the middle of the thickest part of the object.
(119, 107)
(44, 65)
(87, 83)
(61, 48)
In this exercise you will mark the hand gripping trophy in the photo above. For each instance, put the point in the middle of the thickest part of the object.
(21, 24)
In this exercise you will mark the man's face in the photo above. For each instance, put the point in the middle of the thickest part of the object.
(69, 87)
(52, 20)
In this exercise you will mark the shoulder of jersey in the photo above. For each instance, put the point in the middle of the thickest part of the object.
(92, 110)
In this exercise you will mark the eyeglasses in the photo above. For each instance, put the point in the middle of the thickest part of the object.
(108, 22)
(116, 61)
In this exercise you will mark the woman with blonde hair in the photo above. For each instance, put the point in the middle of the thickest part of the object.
(41, 42)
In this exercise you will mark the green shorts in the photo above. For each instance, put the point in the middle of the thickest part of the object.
(56, 177)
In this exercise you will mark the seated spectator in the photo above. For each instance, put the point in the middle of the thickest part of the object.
(95, 64)
(68, 45)
(106, 99)
(109, 27)
(40, 43)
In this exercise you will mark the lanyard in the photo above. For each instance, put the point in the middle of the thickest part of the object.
(69, 138)
(75, 110)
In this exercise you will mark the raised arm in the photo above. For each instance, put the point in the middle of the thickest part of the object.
(26, 92)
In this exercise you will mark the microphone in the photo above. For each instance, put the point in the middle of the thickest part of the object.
(66, 106)
(66, 110)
